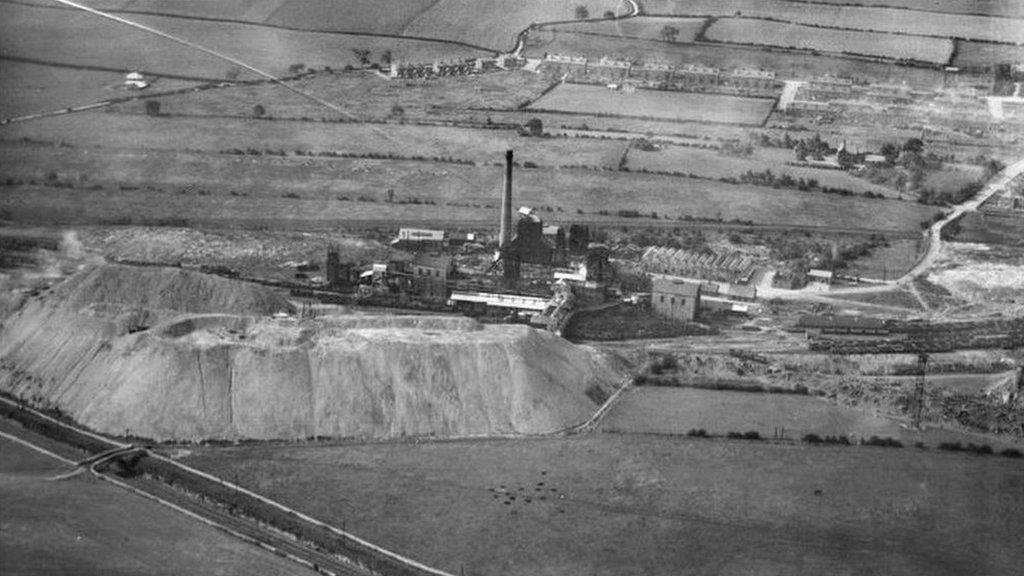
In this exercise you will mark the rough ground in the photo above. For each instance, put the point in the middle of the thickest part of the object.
(165, 353)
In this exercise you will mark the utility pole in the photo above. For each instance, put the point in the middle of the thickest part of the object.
(917, 402)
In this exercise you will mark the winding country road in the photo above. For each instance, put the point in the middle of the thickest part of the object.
(935, 232)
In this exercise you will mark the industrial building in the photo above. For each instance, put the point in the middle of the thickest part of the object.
(431, 274)
(675, 298)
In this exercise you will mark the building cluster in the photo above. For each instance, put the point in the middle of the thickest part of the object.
(686, 76)
(540, 273)
(445, 68)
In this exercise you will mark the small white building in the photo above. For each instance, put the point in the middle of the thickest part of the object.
(135, 81)
(820, 276)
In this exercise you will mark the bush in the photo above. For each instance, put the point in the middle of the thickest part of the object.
(882, 442)
(812, 438)
(1011, 453)
(697, 433)
(750, 435)
(951, 446)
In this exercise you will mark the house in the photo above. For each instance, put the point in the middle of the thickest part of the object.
(675, 298)
(430, 274)
(752, 79)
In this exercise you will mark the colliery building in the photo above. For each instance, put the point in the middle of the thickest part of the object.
(732, 267)
(675, 298)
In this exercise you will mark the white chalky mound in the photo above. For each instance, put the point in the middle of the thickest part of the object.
(211, 362)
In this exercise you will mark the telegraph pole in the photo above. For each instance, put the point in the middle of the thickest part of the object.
(917, 402)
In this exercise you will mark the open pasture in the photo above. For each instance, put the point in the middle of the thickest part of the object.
(786, 64)
(613, 504)
(494, 24)
(84, 526)
(680, 106)
(855, 17)
(980, 54)
(645, 27)
(783, 35)
(714, 164)
(145, 185)
(137, 131)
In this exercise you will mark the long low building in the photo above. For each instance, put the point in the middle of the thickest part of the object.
(516, 302)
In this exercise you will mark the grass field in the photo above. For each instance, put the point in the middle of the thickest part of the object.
(495, 23)
(135, 131)
(658, 410)
(744, 31)
(981, 54)
(785, 64)
(886, 262)
(91, 41)
(641, 27)
(589, 99)
(630, 505)
(898, 298)
(32, 88)
(367, 96)
(714, 164)
(462, 193)
(376, 16)
(859, 18)
(83, 526)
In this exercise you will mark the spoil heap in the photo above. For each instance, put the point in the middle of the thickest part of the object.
(170, 354)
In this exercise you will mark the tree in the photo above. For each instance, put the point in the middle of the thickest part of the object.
(258, 110)
(535, 126)
(669, 33)
(363, 55)
(913, 145)
(385, 58)
(610, 14)
(232, 73)
(890, 152)
(398, 112)
(297, 67)
(582, 13)
(153, 107)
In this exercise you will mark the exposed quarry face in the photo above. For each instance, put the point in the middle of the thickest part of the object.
(169, 354)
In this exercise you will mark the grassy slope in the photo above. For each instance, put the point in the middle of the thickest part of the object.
(743, 31)
(495, 23)
(92, 41)
(619, 504)
(878, 19)
(33, 88)
(1010, 8)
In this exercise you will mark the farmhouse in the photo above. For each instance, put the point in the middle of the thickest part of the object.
(675, 298)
